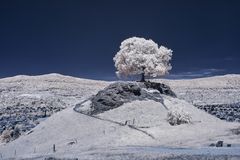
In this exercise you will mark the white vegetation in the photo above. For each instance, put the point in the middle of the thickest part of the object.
(178, 116)
(10, 134)
(6, 136)
(141, 56)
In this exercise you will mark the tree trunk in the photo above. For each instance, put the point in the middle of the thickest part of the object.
(143, 77)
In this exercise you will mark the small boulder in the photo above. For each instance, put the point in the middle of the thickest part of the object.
(212, 145)
(219, 144)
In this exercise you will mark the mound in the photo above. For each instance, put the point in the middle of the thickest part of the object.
(151, 117)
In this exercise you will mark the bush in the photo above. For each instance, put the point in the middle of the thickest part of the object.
(10, 134)
(6, 135)
(177, 117)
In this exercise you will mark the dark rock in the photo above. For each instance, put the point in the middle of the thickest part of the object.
(71, 143)
(162, 88)
(212, 145)
(229, 145)
(118, 93)
(219, 144)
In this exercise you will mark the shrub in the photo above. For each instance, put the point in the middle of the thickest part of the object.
(10, 134)
(178, 116)
(6, 135)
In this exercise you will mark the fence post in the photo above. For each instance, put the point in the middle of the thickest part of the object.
(54, 148)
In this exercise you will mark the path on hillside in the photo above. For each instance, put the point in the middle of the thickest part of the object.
(111, 121)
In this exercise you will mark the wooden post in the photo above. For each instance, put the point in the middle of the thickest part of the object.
(45, 113)
(54, 148)
(142, 77)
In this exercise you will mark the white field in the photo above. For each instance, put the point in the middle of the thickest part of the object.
(212, 90)
(25, 89)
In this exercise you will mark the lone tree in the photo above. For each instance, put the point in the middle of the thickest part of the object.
(140, 56)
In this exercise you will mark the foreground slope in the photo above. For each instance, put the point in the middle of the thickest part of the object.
(77, 135)
(72, 133)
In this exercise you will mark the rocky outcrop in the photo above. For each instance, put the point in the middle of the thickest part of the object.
(162, 88)
(119, 93)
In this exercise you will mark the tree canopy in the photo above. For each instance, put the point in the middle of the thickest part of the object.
(141, 56)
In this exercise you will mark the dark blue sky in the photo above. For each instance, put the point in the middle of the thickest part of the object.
(80, 38)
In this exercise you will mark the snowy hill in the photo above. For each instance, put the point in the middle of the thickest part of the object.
(119, 131)
(26, 100)
(212, 90)
(50, 84)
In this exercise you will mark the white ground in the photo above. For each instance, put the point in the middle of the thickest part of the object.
(25, 89)
(91, 135)
(212, 90)
(151, 116)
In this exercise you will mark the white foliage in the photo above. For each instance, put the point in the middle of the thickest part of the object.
(178, 116)
(138, 55)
